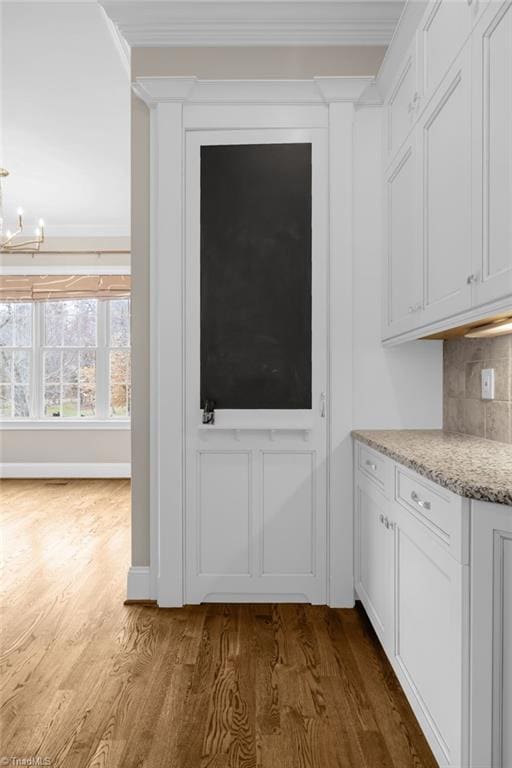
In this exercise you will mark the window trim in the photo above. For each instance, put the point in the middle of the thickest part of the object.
(102, 419)
(116, 422)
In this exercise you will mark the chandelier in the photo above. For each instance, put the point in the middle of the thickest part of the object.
(15, 241)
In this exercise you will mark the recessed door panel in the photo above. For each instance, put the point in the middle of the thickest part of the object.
(224, 511)
(492, 129)
(288, 512)
(446, 194)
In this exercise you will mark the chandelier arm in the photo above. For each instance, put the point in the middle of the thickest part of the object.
(9, 247)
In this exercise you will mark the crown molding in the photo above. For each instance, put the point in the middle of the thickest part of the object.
(402, 38)
(191, 90)
(161, 23)
(120, 44)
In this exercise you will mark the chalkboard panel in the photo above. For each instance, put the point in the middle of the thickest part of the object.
(256, 276)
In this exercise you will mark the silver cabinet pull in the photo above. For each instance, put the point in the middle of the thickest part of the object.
(471, 279)
(420, 502)
(414, 308)
(371, 465)
(381, 518)
(414, 102)
(322, 405)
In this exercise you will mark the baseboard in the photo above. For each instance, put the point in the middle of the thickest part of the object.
(56, 469)
(138, 587)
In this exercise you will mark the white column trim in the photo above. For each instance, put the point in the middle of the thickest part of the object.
(167, 449)
(138, 583)
(340, 532)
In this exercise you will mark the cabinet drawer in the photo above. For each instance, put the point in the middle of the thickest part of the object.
(441, 511)
(375, 466)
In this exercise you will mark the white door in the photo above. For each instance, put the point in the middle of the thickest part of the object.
(255, 317)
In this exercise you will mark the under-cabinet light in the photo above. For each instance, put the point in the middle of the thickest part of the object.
(492, 329)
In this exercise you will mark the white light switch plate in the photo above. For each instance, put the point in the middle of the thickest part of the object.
(488, 384)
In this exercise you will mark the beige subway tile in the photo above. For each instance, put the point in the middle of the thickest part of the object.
(497, 421)
(474, 417)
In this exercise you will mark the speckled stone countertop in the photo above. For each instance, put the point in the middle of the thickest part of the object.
(469, 466)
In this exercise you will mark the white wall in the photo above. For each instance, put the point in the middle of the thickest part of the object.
(393, 388)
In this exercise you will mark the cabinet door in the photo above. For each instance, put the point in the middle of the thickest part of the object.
(491, 635)
(431, 630)
(492, 148)
(401, 106)
(444, 29)
(403, 284)
(373, 557)
(444, 144)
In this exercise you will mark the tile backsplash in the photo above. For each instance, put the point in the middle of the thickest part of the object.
(463, 408)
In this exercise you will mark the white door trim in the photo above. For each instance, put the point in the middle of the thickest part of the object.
(173, 112)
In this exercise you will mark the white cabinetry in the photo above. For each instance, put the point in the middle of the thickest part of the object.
(430, 626)
(444, 142)
(403, 287)
(402, 103)
(492, 129)
(448, 174)
(491, 636)
(374, 550)
(444, 29)
(442, 609)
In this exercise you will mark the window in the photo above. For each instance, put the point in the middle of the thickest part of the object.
(15, 359)
(65, 359)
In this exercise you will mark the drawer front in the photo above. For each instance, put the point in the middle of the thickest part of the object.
(374, 466)
(442, 512)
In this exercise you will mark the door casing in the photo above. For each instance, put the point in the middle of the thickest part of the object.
(179, 105)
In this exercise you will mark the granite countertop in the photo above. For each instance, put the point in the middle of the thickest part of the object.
(469, 466)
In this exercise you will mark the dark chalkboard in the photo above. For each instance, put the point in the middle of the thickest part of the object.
(256, 275)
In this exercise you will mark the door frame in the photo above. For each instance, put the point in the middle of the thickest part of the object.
(178, 105)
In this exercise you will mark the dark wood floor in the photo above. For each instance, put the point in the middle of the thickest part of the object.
(87, 681)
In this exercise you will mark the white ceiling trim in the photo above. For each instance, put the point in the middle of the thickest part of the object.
(121, 46)
(241, 22)
(319, 90)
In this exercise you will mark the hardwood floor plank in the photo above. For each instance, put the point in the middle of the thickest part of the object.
(92, 683)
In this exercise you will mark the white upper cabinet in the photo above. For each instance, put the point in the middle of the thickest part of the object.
(403, 300)
(445, 27)
(492, 128)
(448, 178)
(444, 144)
(402, 103)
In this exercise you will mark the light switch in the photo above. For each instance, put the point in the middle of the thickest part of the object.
(488, 384)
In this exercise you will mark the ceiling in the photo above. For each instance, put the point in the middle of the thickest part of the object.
(65, 119)
(155, 23)
(65, 107)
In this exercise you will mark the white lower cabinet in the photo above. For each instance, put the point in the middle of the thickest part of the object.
(441, 608)
(374, 559)
(431, 625)
(491, 636)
